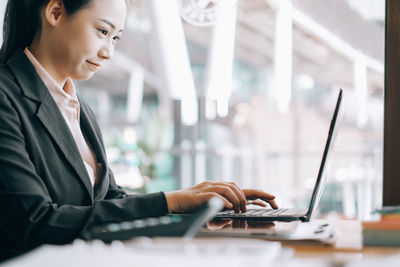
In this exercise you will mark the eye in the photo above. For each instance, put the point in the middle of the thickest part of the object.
(103, 32)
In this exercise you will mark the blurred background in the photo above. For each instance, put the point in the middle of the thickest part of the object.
(244, 91)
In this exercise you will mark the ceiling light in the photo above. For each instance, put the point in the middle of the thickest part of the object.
(202, 12)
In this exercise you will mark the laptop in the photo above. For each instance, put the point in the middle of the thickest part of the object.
(295, 214)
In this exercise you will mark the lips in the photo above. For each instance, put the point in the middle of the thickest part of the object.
(93, 64)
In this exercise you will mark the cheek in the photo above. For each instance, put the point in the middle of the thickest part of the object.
(84, 46)
(81, 41)
(79, 51)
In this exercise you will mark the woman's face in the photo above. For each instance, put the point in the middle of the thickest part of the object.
(82, 42)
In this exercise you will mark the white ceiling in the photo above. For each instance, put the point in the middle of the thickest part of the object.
(254, 44)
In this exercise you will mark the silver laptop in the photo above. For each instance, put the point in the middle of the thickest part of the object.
(294, 214)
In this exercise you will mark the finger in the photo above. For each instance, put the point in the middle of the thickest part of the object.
(273, 204)
(228, 193)
(258, 202)
(206, 196)
(239, 193)
(235, 188)
(238, 188)
(254, 194)
(262, 203)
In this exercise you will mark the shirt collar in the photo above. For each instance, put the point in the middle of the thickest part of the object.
(60, 95)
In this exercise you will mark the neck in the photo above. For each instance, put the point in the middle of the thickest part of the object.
(43, 55)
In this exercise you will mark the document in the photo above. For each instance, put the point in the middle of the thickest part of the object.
(165, 252)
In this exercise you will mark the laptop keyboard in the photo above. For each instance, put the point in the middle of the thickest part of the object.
(264, 213)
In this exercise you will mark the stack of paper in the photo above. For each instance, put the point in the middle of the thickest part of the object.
(381, 233)
(385, 232)
(159, 252)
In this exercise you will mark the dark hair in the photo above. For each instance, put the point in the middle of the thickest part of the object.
(23, 19)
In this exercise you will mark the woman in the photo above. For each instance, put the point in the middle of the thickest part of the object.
(55, 181)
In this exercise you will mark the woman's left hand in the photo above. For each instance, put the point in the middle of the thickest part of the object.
(189, 199)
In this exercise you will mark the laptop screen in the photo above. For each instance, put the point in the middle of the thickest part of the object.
(318, 188)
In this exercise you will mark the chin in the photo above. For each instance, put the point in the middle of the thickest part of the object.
(83, 76)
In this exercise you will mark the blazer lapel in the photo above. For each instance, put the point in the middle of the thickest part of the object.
(55, 124)
(88, 128)
(49, 114)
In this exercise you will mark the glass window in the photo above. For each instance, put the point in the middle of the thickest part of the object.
(264, 88)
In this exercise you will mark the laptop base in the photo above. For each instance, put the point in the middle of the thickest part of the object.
(284, 215)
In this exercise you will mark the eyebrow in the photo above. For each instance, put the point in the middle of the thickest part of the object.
(109, 23)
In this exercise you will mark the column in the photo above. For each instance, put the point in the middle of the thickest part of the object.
(283, 55)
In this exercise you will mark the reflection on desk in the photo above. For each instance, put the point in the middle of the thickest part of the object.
(322, 233)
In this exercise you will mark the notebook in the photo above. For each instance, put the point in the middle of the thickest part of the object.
(294, 214)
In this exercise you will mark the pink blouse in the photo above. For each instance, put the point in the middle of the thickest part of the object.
(67, 101)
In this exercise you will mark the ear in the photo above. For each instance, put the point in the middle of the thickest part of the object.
(54, 11)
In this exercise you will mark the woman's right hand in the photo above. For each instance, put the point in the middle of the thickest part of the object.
(187, 200)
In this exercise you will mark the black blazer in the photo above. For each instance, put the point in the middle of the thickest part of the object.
(45, 192)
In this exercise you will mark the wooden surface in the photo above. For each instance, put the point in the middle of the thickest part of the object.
(348, 246)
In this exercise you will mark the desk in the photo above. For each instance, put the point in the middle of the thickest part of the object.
(348, 247)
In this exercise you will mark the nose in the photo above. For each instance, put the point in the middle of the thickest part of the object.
(106, 52)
